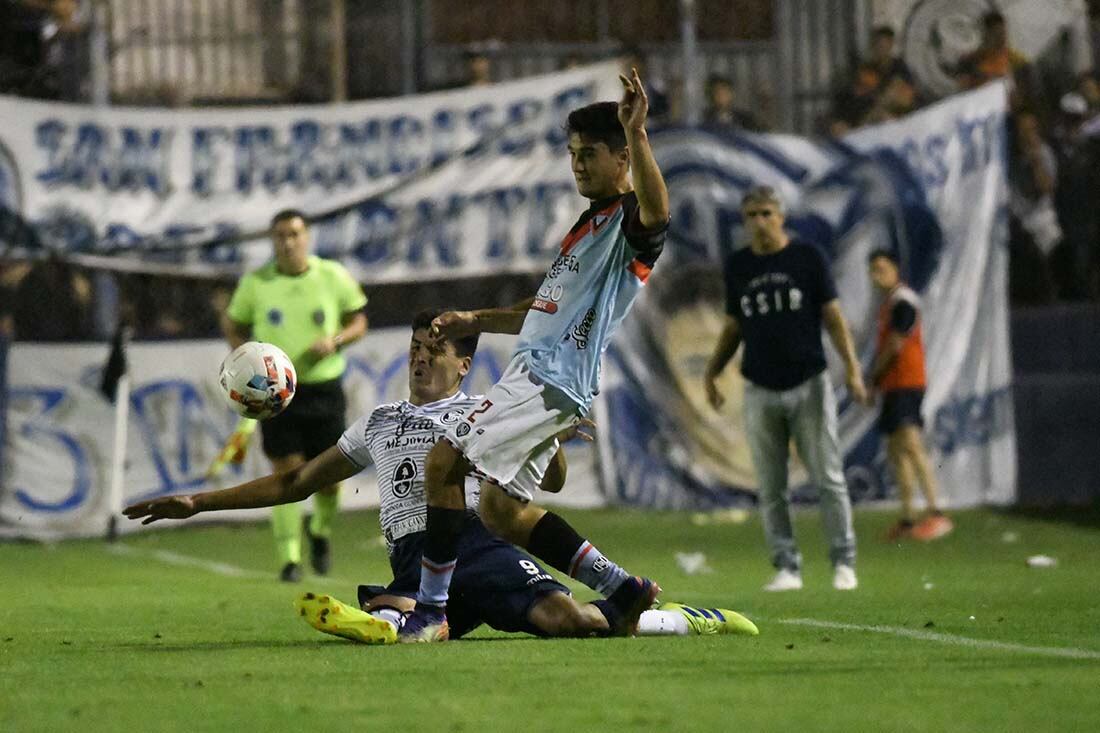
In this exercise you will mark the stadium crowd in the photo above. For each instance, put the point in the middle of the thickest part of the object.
(1053, 138)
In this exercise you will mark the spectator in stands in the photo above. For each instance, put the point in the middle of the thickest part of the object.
(43, 49)
(722, 110)
(883, 80)
(52, 302)
(1034, 228)
(994, 58)
(1076, 199)
(1088, 86)
(479, 69)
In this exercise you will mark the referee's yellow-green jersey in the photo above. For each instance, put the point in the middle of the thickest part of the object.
(293, 311)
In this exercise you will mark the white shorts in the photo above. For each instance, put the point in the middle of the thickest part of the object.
(511, 435)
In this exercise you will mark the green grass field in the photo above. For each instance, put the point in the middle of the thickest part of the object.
(151, 637)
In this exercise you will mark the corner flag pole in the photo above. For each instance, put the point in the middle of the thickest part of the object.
(116, 387)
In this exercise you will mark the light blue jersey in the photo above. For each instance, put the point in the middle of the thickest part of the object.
(604, 261)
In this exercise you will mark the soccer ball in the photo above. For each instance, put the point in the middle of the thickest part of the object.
(258, 380)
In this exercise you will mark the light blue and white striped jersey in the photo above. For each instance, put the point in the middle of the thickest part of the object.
(603, 263)
(396, 438)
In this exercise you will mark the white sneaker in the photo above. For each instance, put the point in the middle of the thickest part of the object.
(785, 580)
(844, 578)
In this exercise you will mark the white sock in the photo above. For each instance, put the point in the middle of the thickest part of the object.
(663, 623)
(395, 617)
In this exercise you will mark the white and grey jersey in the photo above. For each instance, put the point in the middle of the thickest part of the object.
(396, 438)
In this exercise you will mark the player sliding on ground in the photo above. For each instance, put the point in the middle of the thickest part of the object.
(509, 438)
(494, 583)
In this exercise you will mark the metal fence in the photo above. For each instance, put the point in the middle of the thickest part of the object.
(180, 51)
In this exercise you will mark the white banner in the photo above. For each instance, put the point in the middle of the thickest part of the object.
(452, 184)
(932, 187)
(60, 437)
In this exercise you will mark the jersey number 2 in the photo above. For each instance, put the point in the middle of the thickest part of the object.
(480, 410)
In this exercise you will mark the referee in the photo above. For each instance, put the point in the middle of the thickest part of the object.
(778, 293)
(310, 308)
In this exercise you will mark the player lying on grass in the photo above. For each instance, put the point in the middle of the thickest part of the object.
(494, 582)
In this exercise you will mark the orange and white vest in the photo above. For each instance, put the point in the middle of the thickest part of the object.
(907, 371)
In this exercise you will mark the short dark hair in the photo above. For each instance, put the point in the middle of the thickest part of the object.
(288, 214)
(465, 346)
(992, 18)
(883, 253)
(884, 31)
(715, 79)
(599, 122)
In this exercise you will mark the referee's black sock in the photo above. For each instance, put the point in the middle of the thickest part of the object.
(554, 541)
(440, 553)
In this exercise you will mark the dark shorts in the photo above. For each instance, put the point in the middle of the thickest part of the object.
(494, 583)
(900, 407)
(312, 423)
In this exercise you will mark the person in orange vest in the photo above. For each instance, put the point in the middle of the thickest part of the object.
(898, 373)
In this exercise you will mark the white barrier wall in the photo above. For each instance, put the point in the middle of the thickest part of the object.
(60, 428)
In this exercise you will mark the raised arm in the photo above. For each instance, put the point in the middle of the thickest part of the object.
(728, 342)
(457, 324)
(841, 337)
(649, 184)
(329, 468)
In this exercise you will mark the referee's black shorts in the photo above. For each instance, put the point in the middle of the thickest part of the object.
(899, 407)
(312, 423)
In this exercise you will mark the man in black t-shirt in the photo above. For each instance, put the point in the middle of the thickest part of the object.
(778, 295)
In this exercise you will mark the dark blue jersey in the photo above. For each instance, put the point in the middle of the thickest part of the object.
(777, 300)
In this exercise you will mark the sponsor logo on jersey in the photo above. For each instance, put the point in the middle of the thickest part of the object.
(450, 417)
(564, 263)
(583, 330)
(415, 425)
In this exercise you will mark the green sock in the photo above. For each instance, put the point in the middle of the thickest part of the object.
(324, 511)
(286, 522)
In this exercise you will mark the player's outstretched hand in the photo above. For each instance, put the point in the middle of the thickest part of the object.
(454, 325)
(634, 106)
(169, 507)
(576, 432)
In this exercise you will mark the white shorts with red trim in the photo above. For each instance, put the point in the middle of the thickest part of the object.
(511, 435)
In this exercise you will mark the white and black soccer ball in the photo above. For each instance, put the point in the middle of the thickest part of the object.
(258, 380)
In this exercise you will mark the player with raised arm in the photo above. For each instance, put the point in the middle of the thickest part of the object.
(494, 582)
(509, 438)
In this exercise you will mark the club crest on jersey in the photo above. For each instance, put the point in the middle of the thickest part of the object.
(450, 417)
(403, 478)
(463, 430)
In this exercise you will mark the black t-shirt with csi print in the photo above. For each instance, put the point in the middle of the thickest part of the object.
(777, 300)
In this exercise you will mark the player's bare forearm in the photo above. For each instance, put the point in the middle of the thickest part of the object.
(649, 184)
(554, 478)
(287, 487)
(728, 343)
(839, 334)
(503, 320)
(235, 333)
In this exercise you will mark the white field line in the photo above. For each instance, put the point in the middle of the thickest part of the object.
(219, 568)
(1047, 651)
